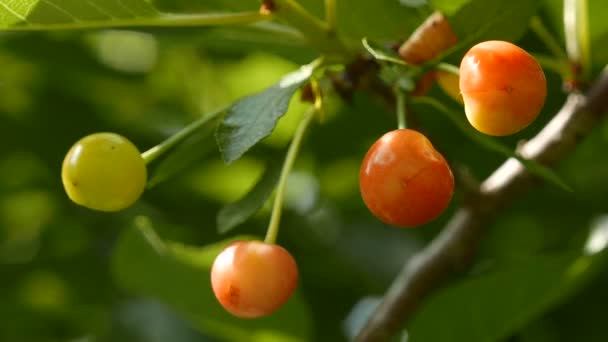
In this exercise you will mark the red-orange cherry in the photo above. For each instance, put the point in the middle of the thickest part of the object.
(404, 181)
(252, 279)
(503, 87)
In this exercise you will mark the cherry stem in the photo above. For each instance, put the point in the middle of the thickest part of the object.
(452, 69)
(576, 32)
(160, 149)
(400, 104)
(316, 31)
(331, 17)
(382, 57)
(294, 147)
(548, 38)
(560, 66)
(286, 34)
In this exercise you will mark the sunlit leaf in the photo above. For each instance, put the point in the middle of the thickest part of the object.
(79, 14)
(254, 117)
(46, 13)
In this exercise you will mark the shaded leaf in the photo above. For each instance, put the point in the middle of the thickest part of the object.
(414, 3)
(238, 212)
(509, 19)
(379, 19)
(178, 275)
(254, 117)
(449, 7)
(492, 306)
(480, 20)
(186, 153)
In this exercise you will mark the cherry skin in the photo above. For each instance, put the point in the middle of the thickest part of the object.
(404, 181)
(252, 279)
(104, 171)
(503, 87)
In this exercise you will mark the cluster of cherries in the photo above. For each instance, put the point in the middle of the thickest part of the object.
(404, 180)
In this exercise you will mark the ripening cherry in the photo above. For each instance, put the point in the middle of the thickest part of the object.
(252, 279)
(448, 82)
(104, 171)
(404, 181)
(503, 87)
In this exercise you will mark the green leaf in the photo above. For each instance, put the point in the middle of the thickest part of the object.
(449, 7)
(414, 3)
(379, 19)
(491, 144)
(598, 26)
(15, 14)
(491, 306)
(178, 275)
(481, 20)
(194, 148)
(78, 14)
(254, 117)
(509, 19)
(238, 212)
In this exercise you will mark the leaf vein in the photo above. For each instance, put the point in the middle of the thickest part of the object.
(127, 8)
(13, 12)
(99, 10)
(60, 9)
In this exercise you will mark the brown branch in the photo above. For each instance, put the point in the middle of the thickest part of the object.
(452, 250)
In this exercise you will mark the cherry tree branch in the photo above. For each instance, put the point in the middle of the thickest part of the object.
(453, 249)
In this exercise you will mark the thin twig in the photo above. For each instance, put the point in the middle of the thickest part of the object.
(453, 249)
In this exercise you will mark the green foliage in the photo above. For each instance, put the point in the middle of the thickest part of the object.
(509, 20)
(233, 214)
(254, 117)
(470, 22)
(46, 14)
(380, 19)
(598, 25)
(197, 144)
(493, 305)
(69, 274)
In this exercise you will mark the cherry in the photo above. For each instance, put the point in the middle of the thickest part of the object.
(503, 87)
(449, 83)
(253, 279)
(404, 181)
(104, 171)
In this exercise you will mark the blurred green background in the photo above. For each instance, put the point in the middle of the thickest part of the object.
(70, 274)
